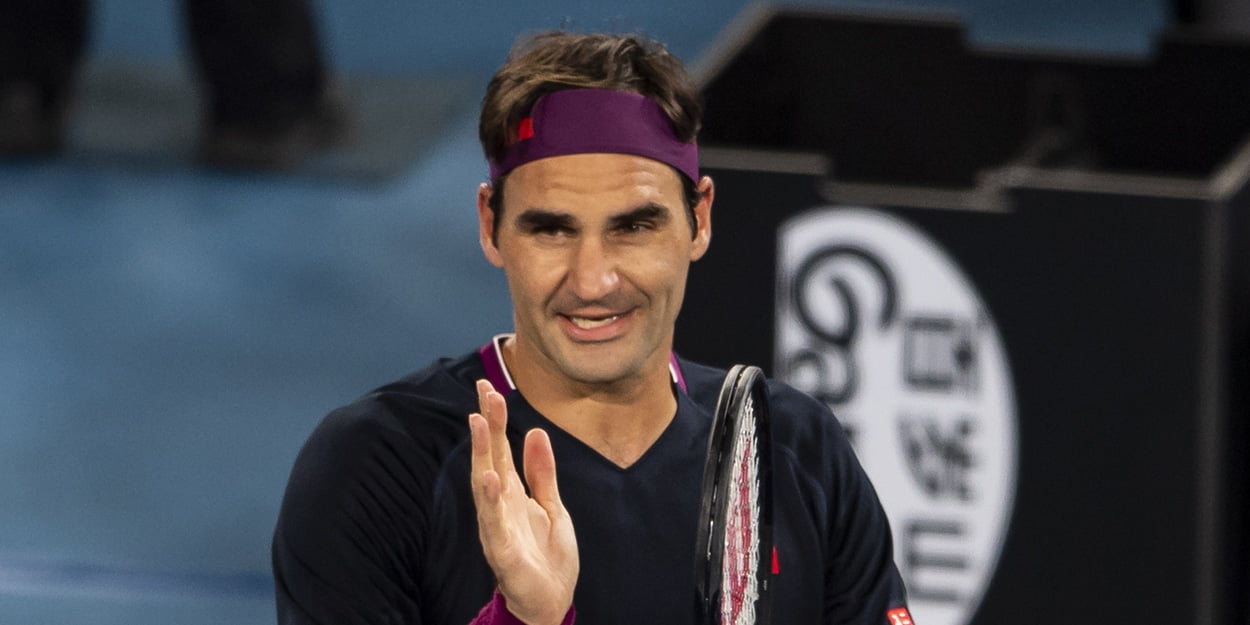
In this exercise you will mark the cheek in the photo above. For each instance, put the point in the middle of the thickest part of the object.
(665, 272)
(531, 277)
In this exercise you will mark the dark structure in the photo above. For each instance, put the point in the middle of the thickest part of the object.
(1101, 208)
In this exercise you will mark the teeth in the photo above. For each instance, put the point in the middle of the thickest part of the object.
(586, 324)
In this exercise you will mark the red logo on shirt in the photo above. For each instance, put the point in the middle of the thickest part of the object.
(899, 616)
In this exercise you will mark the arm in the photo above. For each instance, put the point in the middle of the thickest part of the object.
(338, 555)
(863, 585)
(528, 540)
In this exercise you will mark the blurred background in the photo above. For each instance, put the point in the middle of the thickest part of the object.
(170, 334)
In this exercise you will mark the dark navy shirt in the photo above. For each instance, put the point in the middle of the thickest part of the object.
(378, 523)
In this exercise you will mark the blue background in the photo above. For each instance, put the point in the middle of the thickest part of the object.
(168, 337)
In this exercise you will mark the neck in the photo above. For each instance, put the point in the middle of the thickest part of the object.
(620, 420)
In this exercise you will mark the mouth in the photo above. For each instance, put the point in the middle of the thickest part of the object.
(594, 328)
(590, 323)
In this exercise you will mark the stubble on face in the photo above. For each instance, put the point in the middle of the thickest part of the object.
(596, 248)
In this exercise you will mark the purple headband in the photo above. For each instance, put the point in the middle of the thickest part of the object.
(582, 121)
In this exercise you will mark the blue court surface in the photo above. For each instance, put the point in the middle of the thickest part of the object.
(169, 335)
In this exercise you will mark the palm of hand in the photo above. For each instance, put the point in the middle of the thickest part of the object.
(528, 539)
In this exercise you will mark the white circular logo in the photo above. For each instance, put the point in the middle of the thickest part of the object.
(877, 321)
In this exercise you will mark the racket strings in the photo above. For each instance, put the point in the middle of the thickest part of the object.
(740, 565)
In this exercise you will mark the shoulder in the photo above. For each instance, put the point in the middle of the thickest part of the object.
(425, 406)
(394, 438)
(807, 439)
(797, 418)
(354, 521)
(804, 425)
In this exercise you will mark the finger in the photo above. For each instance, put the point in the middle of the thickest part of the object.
(485, 480)
(540, 470)
(484, 387)
(495, 409)
(481, 462)
(484, 391)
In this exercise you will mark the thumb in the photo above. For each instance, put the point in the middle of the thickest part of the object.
(540, 470)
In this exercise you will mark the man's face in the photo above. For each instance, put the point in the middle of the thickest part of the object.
(596, 248)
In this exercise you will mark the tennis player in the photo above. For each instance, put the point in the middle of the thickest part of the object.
(408, 505)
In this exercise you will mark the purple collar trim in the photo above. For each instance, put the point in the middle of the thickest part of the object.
(584, 121)
(497, 372)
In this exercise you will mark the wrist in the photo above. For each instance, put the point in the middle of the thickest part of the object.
(502, 615)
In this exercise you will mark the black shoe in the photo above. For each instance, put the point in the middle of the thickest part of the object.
(30, 126)
(250, 145)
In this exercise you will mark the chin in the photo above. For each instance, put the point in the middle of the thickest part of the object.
(600, 372)
(596, 375)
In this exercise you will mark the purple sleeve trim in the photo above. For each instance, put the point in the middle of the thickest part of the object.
(496, 613)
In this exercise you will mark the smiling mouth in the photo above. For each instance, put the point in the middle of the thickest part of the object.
(590, 323)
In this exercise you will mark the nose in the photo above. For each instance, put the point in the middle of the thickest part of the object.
(593, 270)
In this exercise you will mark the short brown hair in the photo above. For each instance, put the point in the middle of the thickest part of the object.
(552, 61)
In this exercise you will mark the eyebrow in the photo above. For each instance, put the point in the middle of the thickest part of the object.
(647, 212)
(539, 219)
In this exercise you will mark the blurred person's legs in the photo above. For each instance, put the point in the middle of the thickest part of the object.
(268, 102)
(41, 48)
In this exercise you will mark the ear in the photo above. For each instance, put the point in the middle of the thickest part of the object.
(703, 219)
(486, 225)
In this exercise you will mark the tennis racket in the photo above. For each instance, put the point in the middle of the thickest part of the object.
(734, 549)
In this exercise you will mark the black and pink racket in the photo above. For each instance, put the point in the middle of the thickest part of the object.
(733, 558)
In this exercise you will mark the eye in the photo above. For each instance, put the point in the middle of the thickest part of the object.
(551, 230)
(546, 225)
(636, 226)
(641, 221)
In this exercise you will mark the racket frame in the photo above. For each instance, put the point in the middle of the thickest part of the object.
(742, 382)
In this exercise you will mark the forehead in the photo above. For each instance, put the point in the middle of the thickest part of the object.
(586, 181)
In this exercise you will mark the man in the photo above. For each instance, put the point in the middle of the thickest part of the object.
(401, 510)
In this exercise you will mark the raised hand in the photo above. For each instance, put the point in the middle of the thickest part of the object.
(527, 538)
